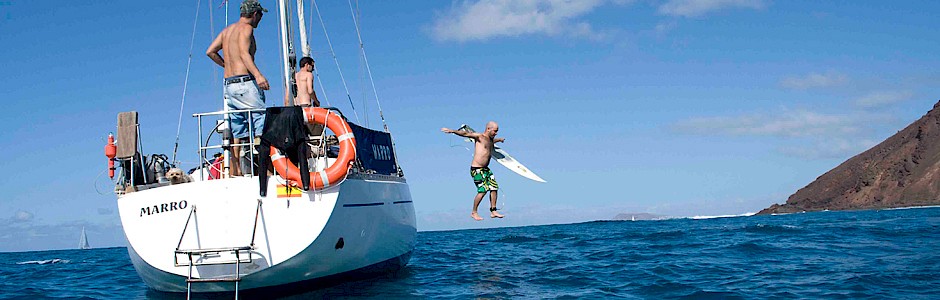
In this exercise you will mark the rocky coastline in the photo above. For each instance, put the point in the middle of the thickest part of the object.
(901, 171)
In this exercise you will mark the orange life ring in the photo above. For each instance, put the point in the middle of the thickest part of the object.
(347, 151)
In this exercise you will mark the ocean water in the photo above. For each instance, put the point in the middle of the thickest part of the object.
(854, 255)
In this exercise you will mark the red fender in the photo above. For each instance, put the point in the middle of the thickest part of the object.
(110, 150)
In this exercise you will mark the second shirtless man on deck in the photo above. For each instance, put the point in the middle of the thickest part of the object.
(483, 178)
(244, 83)
(306, 97)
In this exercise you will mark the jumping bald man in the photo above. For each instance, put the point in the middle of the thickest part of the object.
(483, 177)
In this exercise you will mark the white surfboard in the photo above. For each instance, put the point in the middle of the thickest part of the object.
(505, 159)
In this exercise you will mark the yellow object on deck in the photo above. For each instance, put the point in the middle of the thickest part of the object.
(284, 191)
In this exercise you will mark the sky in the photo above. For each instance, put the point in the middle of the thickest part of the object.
(670, 107)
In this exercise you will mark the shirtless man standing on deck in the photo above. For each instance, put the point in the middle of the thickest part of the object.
(483, 178)
(306, 97)
(243, 81)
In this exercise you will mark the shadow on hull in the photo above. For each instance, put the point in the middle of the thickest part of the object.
(318, 288)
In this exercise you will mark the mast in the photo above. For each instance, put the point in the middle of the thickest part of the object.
(287, 50)
(226, 150)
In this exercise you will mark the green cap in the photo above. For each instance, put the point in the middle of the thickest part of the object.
(251, 6)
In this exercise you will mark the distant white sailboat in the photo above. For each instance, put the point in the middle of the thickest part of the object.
(83, 242)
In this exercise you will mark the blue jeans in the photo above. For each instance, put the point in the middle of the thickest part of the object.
(244, 95)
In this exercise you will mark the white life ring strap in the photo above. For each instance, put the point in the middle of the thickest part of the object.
(276, 155)
(307, 117)
(345, 136)
(326, 181)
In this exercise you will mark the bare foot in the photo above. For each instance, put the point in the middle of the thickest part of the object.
(476, 216)
(494, 214)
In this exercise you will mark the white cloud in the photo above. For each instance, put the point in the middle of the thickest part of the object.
(665, 27)
(22, 216)
(695, 8)
(814, 80)
(877, 99)
(786, 123)
(807, 134)
(829, 148)
(485, 19)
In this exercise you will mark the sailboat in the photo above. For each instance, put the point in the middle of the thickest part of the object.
(209, 231)
(83, 241)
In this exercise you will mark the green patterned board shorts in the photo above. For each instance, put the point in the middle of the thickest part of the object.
(484, 179)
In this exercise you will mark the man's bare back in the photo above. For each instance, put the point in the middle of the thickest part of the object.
(235, 65)
(305, 93)
(237, 42)
(303, 88)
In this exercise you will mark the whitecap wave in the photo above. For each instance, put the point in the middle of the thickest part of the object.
(913, 207)
(748, 214)
(43, 262)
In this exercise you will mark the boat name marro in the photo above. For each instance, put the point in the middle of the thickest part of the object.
(164, 207)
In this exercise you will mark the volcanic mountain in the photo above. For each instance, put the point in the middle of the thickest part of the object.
(901, 171)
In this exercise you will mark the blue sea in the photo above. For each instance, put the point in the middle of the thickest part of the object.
(856, 255)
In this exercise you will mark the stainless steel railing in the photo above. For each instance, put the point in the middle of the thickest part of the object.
(226, 145)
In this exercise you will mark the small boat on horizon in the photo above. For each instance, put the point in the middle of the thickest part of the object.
(83, 241)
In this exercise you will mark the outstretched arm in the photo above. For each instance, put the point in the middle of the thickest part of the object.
(499, 140)
(462, 133)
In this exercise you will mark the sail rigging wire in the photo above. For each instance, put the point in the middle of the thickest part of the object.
(280, 34)
(368, 69)
(211, 21)
(322, 89)
(189, 62)
(362, 91)
(288, 56)
(113, 182)
(215, 71)
(316, 74)
(335, 60)
(310, 28)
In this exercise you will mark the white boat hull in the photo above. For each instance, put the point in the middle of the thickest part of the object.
(367, 222)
